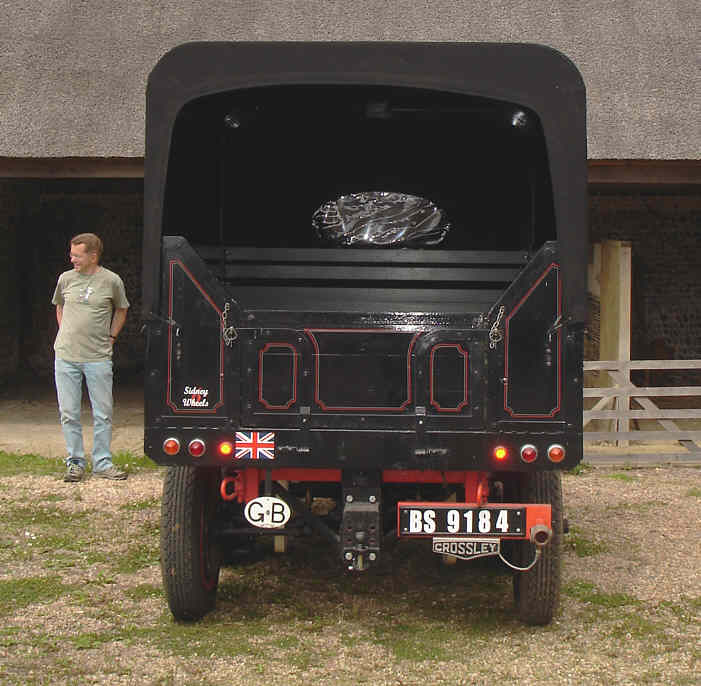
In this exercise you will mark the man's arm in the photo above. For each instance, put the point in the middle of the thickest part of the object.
(59, 314)
(120, 316)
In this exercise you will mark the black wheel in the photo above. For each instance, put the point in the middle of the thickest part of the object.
(190, 557)
(537, 591)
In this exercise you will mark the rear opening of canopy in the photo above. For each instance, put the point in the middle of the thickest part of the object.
(249, 168)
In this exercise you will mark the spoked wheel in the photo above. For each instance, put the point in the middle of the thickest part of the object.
(190, 558)
(537, 591)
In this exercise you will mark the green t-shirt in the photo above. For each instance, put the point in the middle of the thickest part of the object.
(88, 301)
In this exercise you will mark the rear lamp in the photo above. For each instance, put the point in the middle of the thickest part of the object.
(226, 448)
(171, 446)
(196, 447)
(556, 453)
(500, 453)
(529, 453)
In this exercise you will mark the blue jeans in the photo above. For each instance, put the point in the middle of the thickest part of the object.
(69, 388)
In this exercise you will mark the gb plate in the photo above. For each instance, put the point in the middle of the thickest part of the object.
(267, 512)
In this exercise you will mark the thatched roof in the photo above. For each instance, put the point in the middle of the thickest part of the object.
(72, 75)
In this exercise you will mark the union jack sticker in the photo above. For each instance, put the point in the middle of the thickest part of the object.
(255, 445)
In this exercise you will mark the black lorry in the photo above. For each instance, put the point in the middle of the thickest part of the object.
(364, 283)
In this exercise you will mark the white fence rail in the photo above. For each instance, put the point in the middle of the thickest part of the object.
(618, 397)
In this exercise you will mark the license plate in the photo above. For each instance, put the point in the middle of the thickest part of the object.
(436, 519)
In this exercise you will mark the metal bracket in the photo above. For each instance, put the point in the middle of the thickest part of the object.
(495, 333)
(229, 333)
(556, 325)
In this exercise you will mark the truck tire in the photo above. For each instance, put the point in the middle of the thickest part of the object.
(537, 592)
(190, 559)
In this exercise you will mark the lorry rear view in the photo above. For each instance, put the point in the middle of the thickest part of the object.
(364, 283)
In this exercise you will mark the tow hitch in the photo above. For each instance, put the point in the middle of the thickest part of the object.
(360, 525)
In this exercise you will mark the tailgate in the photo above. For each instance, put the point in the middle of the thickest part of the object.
(347, 377)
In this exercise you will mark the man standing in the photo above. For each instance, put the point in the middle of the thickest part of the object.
(91, 307)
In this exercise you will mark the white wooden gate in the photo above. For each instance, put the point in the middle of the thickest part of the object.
(616, 404)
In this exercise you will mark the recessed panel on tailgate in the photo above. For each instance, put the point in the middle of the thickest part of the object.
(358, 370)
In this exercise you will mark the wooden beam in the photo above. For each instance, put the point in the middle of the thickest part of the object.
(664, 174)
(615, 320)
(72, 167)
(615, 284)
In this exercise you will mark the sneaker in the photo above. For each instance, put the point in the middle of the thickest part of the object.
(111, 473)
(74, 472)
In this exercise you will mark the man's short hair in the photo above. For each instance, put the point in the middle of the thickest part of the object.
(91, 242)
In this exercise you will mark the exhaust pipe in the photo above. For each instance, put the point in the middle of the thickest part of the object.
(541, 535)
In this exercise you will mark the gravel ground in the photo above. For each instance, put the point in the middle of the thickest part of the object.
(629, 615)
(94, 613)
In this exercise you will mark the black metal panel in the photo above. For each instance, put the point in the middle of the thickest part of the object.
(362, 370)
(185, 347)
(445, 405)
(533, 350)
(278, 376)
(377, 450)
(362, 300)
(449, 377)
(195, 347)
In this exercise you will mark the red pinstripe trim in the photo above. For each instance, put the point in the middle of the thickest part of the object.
(169, 402)
(556, 409)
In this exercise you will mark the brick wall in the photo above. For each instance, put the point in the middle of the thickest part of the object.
(38, 218)
(665, 232)
(43, 216)
(11, 202)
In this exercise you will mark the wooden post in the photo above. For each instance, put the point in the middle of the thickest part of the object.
(615, 282)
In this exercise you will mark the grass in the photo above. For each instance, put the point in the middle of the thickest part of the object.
(137, 557)
(581, 468)
(582, 546)
(45, 535)
(693, 492)
(19, 593)
(132, 463)
(43, 517)
(622, 476)
(415, 641)
(141, 505)
(12, 464)
(298, 618)
(144, 591)
(588, 593)
(639, 507)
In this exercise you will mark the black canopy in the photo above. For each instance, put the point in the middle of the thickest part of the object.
(534, 76)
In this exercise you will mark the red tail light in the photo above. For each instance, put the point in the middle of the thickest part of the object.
(556, 453)
(500, 453)
(196, 447)
(171, 446)
(529, 453)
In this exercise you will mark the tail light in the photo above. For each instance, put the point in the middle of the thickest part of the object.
(500, 453)
(225, 448)
(556, 453)
(529, 453)
(171, 446)
(196, 447)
